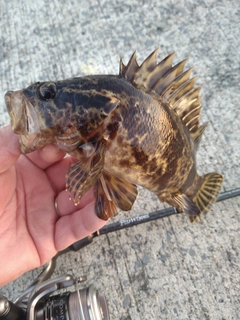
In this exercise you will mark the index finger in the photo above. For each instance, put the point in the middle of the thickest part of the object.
(9, 148)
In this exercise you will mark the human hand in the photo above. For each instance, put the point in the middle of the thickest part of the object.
(31, 232)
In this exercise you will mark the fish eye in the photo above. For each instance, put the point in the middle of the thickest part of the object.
(47, 91)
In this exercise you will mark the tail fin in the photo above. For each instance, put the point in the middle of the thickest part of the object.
(207, 192)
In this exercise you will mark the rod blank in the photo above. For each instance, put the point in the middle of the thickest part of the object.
(142, 219)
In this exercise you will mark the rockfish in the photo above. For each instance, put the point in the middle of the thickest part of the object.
(140, 127)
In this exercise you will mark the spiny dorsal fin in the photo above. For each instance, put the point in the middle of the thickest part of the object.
(171, 83)
(130, 69)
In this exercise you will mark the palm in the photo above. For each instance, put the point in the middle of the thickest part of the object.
(31, 233)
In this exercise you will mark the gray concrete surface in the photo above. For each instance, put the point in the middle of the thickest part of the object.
(166, 269)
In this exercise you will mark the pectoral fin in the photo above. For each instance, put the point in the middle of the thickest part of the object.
(113, 194)
(83, 174)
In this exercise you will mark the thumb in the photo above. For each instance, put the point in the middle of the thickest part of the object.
(9, 148)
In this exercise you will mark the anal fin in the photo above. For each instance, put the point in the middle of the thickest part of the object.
(113, 194)
(185, 204)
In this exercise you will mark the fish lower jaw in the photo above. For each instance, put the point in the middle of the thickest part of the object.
(67, 144)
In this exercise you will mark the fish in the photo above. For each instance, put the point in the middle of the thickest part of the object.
(140, 127)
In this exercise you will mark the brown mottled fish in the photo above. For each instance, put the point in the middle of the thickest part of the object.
(140, 127)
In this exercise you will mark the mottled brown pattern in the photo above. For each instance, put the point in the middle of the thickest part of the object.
(141, 127)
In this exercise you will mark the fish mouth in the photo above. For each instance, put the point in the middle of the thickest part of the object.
(24, 120)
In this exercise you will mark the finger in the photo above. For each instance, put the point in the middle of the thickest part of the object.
(57, 173)
(9, 148)
(80, 224)
(46, 156)
(65, 206)
(7, 187)
(51, 153)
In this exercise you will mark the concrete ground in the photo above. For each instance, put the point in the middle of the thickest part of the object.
(169, 268)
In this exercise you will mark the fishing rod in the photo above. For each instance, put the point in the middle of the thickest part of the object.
(127, 223)
(36, 300)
